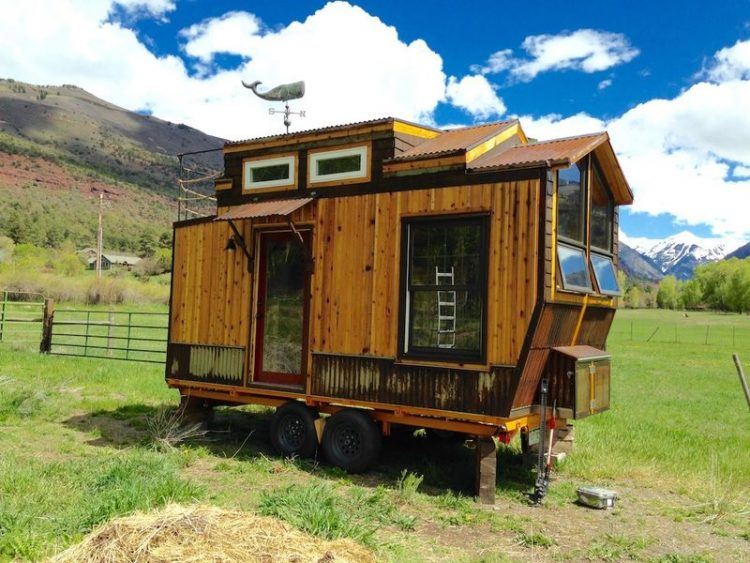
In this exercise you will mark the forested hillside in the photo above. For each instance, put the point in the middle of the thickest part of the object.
(60, 147)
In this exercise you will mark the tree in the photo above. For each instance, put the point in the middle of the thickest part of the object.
(165, 239)
(147, 244)
(691, 294)
(6, 249)
(667, 294)
(635, 298)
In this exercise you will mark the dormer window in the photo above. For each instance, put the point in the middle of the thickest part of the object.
(345, 165)
(269, 173)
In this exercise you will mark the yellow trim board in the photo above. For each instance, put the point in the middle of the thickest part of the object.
(491, 143)
(417, 131)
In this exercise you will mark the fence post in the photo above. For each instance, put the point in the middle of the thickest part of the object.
(2, 314)
(741, 373)
(48, 318)
(86, 342)
(111, 320)
(707, 329)
(127, 346)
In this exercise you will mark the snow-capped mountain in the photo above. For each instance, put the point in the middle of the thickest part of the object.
(680, 254)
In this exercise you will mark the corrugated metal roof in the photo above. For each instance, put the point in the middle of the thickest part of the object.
(555, 151)
(276, 207)
(455, 140)
(328, 129)
(118, 258)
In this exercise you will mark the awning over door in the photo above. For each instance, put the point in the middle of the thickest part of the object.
(277, 208)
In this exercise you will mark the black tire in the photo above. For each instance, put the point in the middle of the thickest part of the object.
(352, 440)
(293, 430)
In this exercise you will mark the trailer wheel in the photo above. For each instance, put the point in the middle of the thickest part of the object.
(293, 430)
(352, 440)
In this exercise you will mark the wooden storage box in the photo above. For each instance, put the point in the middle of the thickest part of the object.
(579, 378)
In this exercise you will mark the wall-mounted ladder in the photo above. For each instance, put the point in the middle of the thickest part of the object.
(446, 309)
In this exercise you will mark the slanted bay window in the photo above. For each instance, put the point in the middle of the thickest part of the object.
(269, 173)
(585, 224)
(341, 165)
(445, 288)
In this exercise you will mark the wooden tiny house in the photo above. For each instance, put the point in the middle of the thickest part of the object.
(391, 273)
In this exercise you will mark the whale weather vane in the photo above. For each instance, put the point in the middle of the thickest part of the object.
(282, 93)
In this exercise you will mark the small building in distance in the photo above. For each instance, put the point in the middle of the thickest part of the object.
(109, 259)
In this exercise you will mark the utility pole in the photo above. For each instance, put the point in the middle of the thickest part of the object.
(99, 236)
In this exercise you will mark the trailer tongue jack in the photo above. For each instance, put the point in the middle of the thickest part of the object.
(544, 456)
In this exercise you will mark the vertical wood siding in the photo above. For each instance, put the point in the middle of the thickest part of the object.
(354, 301)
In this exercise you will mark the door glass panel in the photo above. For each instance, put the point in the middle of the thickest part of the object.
(285, 284)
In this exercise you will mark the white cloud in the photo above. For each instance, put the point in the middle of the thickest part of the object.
(587, 50)
(687, 156)
(678, 154)
(476, 95)
(236, 33)
(606, 83)
(155, 8)
(730, 63)
(356, 67)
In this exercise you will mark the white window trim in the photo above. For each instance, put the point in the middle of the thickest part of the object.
(326, 155)
(249, 165)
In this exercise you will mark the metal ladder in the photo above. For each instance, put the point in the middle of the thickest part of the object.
(446, 310)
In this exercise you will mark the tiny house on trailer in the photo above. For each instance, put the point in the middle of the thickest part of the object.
(388, 273)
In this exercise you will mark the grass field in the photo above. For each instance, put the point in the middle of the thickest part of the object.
(81, 442)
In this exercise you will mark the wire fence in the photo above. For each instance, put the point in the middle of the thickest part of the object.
(706, 334)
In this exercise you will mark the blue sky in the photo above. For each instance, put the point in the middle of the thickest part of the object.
(669, 80)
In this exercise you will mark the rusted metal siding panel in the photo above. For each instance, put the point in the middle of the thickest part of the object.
(557, 325)
(212, 364)
(381, 380)
(595, 326)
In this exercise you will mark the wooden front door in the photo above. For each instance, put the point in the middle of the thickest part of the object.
(281, 309)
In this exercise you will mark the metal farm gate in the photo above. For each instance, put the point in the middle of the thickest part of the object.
(109, 334)
(21, 318)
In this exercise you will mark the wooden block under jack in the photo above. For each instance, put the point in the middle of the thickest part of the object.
(486, 470)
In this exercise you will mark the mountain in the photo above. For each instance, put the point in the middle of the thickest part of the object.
(741, 252)
(60, 147)
(637, 265)
(680, 254)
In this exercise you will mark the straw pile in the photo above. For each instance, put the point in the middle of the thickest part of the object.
(204, 533)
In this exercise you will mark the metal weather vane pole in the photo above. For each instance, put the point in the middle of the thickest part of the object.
(282, 93)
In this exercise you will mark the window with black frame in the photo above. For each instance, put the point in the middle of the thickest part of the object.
(602, 212)
(571, 228)
(445, 290)
(571, 203)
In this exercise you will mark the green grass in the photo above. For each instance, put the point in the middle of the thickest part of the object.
(75, 451)
(678, 417)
